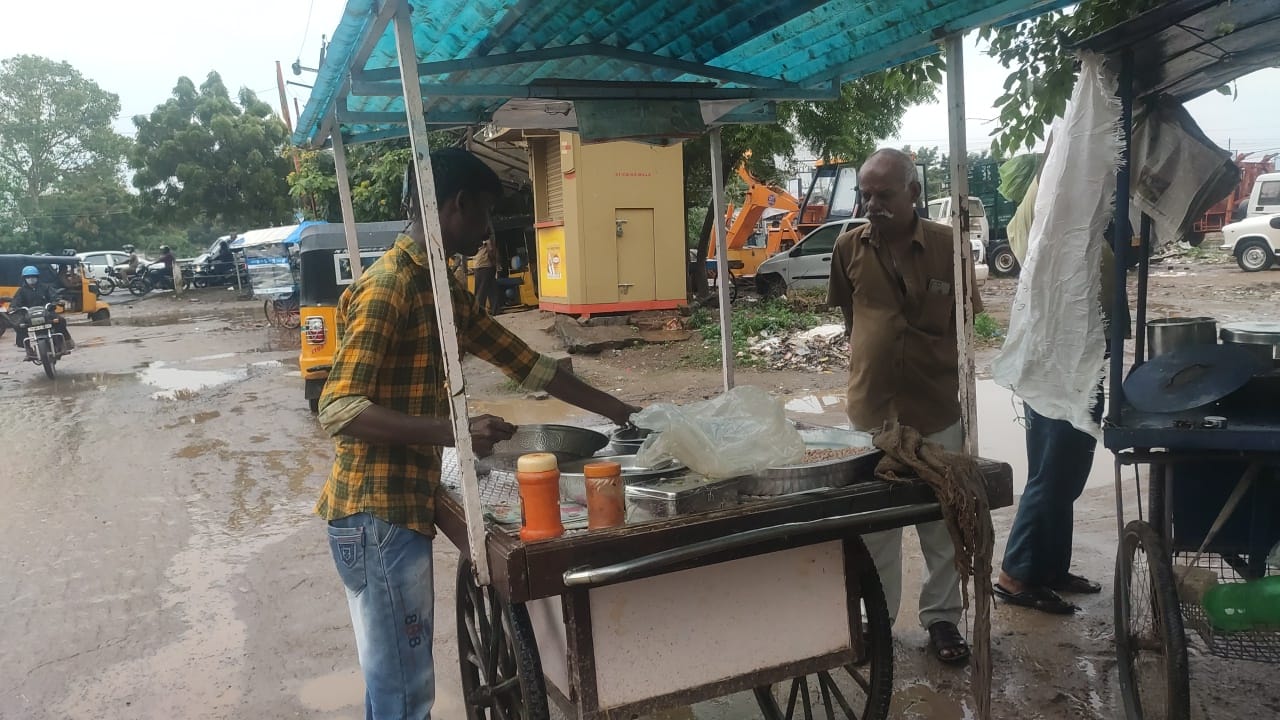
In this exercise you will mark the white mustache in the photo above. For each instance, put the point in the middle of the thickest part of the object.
(881, 214)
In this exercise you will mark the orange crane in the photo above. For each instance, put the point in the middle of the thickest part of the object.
(763, 227)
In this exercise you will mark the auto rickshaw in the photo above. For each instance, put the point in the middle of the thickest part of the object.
(324, 273)
(517, 282)
(79, 291)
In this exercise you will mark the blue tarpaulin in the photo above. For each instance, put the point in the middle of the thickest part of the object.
(523, 63)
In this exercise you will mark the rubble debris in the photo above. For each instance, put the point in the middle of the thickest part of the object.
(819, 348)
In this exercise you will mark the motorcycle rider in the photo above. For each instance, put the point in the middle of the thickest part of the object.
(164, 278)
(129, 268)
(34, 293)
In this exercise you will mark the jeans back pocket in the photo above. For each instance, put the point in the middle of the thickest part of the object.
(347, 546)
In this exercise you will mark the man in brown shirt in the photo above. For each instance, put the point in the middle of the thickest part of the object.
(894, 281)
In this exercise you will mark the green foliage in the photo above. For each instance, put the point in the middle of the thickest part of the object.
(58, 158)
(1038, 53)
(987, 328)
(201, 156)
(775, 315)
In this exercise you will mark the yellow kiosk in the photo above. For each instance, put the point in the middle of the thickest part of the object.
(609, 219)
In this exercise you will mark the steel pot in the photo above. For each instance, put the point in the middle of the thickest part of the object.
(1165, 334)
(1260, 338)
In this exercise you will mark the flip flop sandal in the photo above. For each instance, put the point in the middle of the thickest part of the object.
(947, 644)
(1073, 583)
(1036, 598)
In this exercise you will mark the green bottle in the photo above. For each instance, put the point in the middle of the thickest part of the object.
(1244, 606)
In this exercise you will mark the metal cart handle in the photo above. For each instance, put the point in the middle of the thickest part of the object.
(590, 577)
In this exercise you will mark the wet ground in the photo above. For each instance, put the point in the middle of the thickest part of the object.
(163, 560)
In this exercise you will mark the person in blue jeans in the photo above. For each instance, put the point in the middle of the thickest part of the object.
(386, 403)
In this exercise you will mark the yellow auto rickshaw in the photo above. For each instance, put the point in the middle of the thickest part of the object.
(79, 291)
(324, 273)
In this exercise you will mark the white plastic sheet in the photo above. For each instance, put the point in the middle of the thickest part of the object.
(742, 432)
(1053, 356)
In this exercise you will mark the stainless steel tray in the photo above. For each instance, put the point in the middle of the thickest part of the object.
(558, 439)
(682, 494)
(573, 483)
(840, 472)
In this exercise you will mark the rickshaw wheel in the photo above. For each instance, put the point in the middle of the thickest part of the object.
(1151, 645)
(501, 670)
(872, 677)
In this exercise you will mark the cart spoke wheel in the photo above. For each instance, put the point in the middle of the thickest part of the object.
(501, 671)
(867, 696)
(1151, 646)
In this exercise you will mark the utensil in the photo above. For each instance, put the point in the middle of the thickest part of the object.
(627, 439)
(573, 482)
(679, 495)
(1165, 334)
(1260, 338)
(838, 472)
(1189, 377)
(559, 439)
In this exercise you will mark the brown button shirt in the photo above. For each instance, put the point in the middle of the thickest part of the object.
(902, 356)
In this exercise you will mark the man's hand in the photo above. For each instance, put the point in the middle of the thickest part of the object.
(487, 431)
(624, 413)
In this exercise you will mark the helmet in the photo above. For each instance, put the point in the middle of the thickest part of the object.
(30, 271)
(164, 248)
(128, 248)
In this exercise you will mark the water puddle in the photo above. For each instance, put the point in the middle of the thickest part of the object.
(824, 409)
(921, 701)
(526, 411)
(183, 384)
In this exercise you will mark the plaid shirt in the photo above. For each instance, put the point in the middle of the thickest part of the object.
(389, 352)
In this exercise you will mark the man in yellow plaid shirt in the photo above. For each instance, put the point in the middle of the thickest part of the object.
(386, 403)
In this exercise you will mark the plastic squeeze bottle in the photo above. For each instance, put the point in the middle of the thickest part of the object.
(605, 502)
(1244, 606)
(539, 480)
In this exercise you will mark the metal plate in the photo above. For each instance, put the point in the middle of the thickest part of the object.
(559, 439)
(1190, 377)
(835, 473)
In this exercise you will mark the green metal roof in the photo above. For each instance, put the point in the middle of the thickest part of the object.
(523, 63)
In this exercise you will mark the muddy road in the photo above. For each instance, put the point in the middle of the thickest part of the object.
(162, 559)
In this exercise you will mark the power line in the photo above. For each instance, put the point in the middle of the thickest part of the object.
(306, 27)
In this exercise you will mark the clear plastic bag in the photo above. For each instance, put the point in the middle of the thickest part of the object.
(741, 432)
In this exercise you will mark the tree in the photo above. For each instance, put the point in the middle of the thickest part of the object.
(201, 156)
(55, 126)
(1039, 54)
(90, 211)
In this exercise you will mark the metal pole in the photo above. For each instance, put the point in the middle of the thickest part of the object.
(344, 199)
(472, 509)
(722, 261)
(1120, 239)
(963, 257)
(1144, 266)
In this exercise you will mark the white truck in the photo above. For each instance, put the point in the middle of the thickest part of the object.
(1255, 240)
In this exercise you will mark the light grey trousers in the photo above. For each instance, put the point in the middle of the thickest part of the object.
(940, 595)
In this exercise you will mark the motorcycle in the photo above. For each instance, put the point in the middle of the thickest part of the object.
(157, 277)
(44, 344)
(217, 273)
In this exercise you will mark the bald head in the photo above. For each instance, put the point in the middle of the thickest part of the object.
(890, 189)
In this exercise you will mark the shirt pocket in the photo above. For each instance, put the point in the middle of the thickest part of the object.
(937, 310)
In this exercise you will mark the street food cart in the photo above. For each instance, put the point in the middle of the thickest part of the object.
(1198, 416)
(748, 593)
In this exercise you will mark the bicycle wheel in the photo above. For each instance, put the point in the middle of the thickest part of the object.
(289, 314)
(269, 312)
(501, 670)
(1151, 645)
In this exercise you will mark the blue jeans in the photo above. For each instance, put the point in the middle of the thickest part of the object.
(1059, 458)
(387, 573)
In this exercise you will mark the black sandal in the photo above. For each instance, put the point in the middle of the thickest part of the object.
(947, 644)
(1036, 598)
(1073, 583)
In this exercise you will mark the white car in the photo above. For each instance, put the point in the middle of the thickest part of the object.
(1254, 241)
(808, 264)
(96, 263)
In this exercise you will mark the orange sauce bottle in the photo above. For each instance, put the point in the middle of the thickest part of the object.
(539, 478)
(606, 505)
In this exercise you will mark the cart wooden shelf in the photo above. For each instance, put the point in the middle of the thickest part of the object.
(668, 613)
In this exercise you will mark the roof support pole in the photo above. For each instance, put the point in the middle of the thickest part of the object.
(960, 235)
(1121, 237)
(472, 510)
(344, 199)
(722, 260)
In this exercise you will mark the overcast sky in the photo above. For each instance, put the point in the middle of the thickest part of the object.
(139, 48)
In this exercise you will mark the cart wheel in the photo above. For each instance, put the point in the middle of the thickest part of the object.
(501, 671)
(1151, 647)
(873, 679)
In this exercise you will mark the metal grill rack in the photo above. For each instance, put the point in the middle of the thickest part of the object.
(1261, 645)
